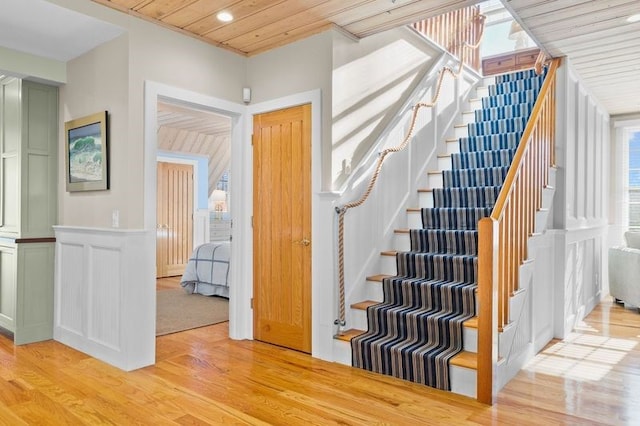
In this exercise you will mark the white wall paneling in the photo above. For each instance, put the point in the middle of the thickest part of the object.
(579, 220)
(101, 298)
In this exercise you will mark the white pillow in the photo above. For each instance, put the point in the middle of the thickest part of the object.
(633, 239)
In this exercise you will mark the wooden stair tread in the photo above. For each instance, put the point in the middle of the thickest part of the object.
(465, 359)
(378, 278)
(444, 156)
(425, 190)
(364, 304)
(414, 209)
(471, 323)
(459, 126)
(349, 334)
(401, 231)
(389, 253)
(452, 140)
(434, 172)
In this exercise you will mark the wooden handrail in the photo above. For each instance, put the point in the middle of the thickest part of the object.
(502, 237)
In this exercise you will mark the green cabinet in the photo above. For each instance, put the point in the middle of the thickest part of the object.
(28, 207)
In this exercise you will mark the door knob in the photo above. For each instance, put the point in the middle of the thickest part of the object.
(304, 242)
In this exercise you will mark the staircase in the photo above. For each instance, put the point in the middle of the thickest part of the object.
(424, 328)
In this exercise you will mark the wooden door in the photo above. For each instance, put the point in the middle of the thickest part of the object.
(175, 218)
(282, 227)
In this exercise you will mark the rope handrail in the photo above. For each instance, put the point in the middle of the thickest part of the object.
(341, 211)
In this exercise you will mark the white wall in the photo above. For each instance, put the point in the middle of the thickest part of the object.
(24, 65)
(98, 81)
(371, 79)
(112, 77)
(296, 68)
(580, 213)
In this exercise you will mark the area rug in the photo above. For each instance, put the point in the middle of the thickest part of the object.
(179, 311)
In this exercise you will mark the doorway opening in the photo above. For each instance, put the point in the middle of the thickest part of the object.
(193, 231)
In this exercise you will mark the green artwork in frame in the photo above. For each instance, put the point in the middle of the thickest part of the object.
(87, 154)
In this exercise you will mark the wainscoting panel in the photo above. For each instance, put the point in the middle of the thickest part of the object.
(68, 258)
(104, 298)
(105, 294)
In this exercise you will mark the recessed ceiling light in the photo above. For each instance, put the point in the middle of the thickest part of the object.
(634, 18)
(224, 16)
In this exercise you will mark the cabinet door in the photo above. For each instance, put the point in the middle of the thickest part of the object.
(38, 149)
(7, 288)
(10, 130)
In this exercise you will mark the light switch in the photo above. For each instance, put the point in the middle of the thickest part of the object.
(115, 218)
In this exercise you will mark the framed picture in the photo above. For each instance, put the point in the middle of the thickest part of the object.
(87, 153)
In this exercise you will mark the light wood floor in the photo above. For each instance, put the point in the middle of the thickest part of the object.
(203, 377)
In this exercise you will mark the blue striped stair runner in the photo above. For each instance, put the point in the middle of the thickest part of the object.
(417, 328)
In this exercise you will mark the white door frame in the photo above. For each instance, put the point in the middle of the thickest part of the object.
(153, 92)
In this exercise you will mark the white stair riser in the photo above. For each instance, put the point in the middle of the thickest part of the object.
(453, 147)
(482, 91)
(434, 180)
(444, 163)
(463, 380)
(547, 197)
(358, 319)
(388, 265)
(401, 242)
(541, 220)
(468, 117)
(470, 339)
(461, 132)
(342, 352)
(475, 104)
(414, 220)
(425, 199)
(374, 291)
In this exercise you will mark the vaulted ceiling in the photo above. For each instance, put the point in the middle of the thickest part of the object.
(194, 132)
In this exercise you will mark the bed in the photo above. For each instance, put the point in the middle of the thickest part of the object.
(207, 272)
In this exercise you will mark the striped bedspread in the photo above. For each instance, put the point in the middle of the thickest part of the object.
(207, 272)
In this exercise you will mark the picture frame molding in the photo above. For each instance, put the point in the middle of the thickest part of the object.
(97, 122)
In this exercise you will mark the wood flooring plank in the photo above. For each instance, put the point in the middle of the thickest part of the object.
(202, 377)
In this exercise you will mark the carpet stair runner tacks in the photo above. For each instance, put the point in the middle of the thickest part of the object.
(417, 328)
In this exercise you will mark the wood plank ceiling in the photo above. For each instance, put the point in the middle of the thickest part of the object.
(194, 132)
(261, 25)
(603, 47)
